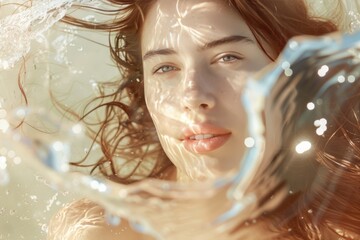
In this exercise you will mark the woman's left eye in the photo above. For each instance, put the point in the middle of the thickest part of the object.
(229, 59)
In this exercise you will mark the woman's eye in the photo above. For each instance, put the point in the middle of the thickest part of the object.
(229, 59)
(165, 69)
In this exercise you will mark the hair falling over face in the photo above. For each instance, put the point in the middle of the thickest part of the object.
(329, 210)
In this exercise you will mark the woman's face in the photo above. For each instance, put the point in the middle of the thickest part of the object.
(197, 56)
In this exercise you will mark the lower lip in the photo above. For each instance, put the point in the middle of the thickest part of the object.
(206, 145)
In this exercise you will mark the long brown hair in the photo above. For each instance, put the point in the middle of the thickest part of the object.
(127, 132)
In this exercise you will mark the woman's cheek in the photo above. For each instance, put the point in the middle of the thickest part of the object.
(160, 101)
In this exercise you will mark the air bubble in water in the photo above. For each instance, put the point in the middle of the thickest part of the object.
(44, 228)
(12, 212)
(34, 198)
(341, 79)
(351, 78)
(293, 44)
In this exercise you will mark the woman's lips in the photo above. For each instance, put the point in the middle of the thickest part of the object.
(204, 138)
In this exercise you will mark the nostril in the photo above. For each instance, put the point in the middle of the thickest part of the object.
(195, 101)
(204, 106)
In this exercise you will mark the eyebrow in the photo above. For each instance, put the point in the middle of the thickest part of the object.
(206, 46)
(225, 40)
(165, 51)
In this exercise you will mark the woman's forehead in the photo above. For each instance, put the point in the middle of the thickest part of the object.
(184, 11)
(169, 22)
(185, 7)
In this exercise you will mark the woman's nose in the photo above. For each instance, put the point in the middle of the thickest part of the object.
(197, 96)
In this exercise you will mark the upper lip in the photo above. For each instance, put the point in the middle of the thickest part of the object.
(204, 128)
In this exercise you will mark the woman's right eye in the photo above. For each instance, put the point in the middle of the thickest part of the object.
(165, 69)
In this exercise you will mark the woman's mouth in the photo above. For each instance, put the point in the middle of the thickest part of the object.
(205, 138)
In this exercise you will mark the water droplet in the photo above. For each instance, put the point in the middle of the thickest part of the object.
(113, 219)
(319, 101)
(90, 18)
(303, 147)
(137, 226)
(321, 130)
(351, 78)
(96, 185)
(44, 228)
(34, 198)
(320, 122)
(323, 70)
(4, 125)
(288, 72)
(21, 113)
(285, 65)
(293, 45)
(77, 129)
(249, 142)
(341, 79)
(310, 106)
(321, 126)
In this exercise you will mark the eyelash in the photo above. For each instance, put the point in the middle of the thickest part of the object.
(234, 58)
(157, 71)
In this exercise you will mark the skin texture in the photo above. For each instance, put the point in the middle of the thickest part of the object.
(195, 66)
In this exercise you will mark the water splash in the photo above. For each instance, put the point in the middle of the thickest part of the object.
(30, 23)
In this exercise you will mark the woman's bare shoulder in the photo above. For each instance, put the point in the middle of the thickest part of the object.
(85, 220)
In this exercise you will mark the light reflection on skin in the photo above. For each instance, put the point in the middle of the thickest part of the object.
(195, 66)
